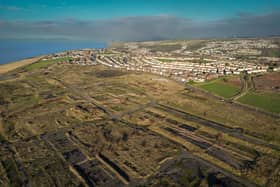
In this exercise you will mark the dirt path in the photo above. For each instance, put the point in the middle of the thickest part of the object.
(247, 85)
(113, 170)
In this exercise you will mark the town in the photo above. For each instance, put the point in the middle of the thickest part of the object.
(209, 61)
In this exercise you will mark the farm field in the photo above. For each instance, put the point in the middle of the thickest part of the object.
(221, 88)
(264, 94)
(266, 101)
(268, 82)
(44, 63)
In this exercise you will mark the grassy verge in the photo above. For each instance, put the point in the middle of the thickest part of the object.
(44, 63)
(267, 101)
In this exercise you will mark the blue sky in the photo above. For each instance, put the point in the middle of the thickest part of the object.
(29, 18)
(107, 9)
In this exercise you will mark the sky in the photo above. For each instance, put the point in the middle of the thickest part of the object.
(137, 20)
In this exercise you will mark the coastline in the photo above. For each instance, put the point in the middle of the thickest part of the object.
(13, 50)
(4, 68)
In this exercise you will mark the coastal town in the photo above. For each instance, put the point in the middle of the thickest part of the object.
(209, 61)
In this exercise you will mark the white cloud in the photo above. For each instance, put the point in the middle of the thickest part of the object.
(11, 8)
(143, 28)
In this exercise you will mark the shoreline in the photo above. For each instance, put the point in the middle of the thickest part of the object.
(4, 68)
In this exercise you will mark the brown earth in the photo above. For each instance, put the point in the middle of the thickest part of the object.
(235, 81)
(270, 82)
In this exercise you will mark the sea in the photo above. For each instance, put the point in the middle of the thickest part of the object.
(14, 50)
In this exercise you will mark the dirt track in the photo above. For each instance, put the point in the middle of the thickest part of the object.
(235, 132)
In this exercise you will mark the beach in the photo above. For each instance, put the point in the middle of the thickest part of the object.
(14, 65)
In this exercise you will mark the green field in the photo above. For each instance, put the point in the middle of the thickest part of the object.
(220, 88)
(266, 101)
(44, 63)
(270, 52)
(166, 60)
(163, 47)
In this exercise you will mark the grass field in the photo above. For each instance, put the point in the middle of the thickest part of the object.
(220, 88)
(44, 63)
(266, 101)
(166, 60)
(164, 47)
